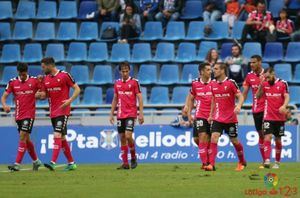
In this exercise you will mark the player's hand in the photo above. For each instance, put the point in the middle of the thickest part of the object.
(283, 110)
(209, 119)
(237, 110)
(141, 119)
(66, 103)
(191, 119)
(6, 108)
(40, 78)
(111, 119)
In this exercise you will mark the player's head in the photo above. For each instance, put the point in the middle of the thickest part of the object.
(204, 70)
(48, 64)
(124, 69)
(269, 75)
(255, 63)
(261, 6)
(220, 70)
(22, 69)
(236, 50)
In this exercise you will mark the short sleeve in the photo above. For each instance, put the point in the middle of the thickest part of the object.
(137, 88)
(9, 87)
(246, 82)
(235, 87)
(70, 80)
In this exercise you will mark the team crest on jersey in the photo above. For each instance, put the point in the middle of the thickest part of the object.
(129, 85)
(225, 87)
(278, 87)
(58, 80)
(29, 85)
(109, 139)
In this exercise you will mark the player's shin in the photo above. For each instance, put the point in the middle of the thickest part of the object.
(261, 145)
(67, 151)
(56, 148)
(21, 151)
(31, 150)
(267, 147)
(239, 150)
(278, 148)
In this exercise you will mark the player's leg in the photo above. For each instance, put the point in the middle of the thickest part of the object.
(278, 144)
(130, 141)
(201, 134)
(258, 121)
(67, 152)
(124, 146)
(268, 128)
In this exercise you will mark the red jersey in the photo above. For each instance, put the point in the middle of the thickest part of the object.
(58, 88)
(252, 81)
(274, 99)
(24, 96)
(264, 18)
(126, 92)
(203, 95)
(285, 26)
(224, 95)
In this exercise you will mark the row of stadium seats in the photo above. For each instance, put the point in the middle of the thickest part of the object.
(142, 52)
(87, 31)
(148, 74)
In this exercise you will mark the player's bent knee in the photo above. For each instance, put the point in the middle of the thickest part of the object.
(57, 135)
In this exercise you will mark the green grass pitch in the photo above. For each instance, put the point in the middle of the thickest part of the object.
(150, 180)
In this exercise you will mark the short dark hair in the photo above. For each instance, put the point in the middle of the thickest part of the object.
(260, 2)
(22, 67)
(48, 61)
(124, 64)
(223, 66)
(269, 70)
(257, 57)
(202, 66)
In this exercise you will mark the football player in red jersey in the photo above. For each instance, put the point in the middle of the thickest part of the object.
(224, 115)
(57, 85)
(24, 88)
(126, 93)
(277, 98)
(252, 81)
(201, 93)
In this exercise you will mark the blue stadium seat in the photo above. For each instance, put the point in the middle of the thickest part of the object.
(248, 101)
(175, 31)
(77, 100)
(41, 103)
(96, 92)
(219, 31)
(265, 65)
(273, 52)
(109, 95)
(5, 10)
(189, 72)
(252, 48)
(164, 52)
(61, 67)
(45, 31)
(147, 74)
(32, 53)
(117, 72)
(141, 53)
(195, 30)
(5, 32)
(275, 6)
(292, 52)
(8, 73)
(204, 47)
(55, 50)
(80, 74)
(179, 94)
(102, 75)
(294, 94)
(169, 74)
(297, 73)
(226, 50)
(186, 52)
(67, 31)
(23, 30)
(86, 7)
(35, 70)
(144, 94)
(283, 71)
(238, 29)
(159, 95)
(11, 53)
(98, 52)
(192, 10)
(153, 31)
(46, 10)
(67, 10)
(120, 52)
(77, 52)
(9, 100)
(106, 25)
(88, 31)
(25, 10)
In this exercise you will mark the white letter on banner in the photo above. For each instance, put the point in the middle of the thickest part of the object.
(287, 138)
(141, 141)
(80, 141)
(92, 142)
(168, 140)
(184, 140)
(71, 135)
(252, 137)
(223, 140)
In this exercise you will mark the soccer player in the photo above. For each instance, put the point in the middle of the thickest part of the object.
(224, 114)
(24, 88)
(277, 97)
(253, 80)
(126, 93)
(201, 93)
(57, 88)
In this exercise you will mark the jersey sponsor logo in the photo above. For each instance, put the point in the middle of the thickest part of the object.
(24, 92)
(222, 95)
(204, 94)
(273, 94)
(17, 87)
(125, 92)
(54, 89)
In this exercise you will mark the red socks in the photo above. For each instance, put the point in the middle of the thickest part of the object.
(261, 147)
(132, 150)
(240, 152)
(278, 148)
(66, 149)
(31, 150)
(203, 152)
(213, 153)
(57, 146)
(21, 152)
(267, 149)
(124, 154)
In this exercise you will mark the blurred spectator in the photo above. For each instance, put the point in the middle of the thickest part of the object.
(148, 9)
(169, 10)
(232, 10)
(108, 9)
(258, 24)
(130, 24)
(237, 64)
(246, 9)
(123, 4)
(293, 7)
(296, 35)
(284, 26)
(212, 57)
(213, 10)
(182, 119)
(289, 118)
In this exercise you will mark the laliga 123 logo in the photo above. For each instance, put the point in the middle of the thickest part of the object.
(271, 180)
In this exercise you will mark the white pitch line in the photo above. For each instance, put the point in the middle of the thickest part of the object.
(29, 169)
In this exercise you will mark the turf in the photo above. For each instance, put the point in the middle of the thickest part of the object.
(148, 180)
